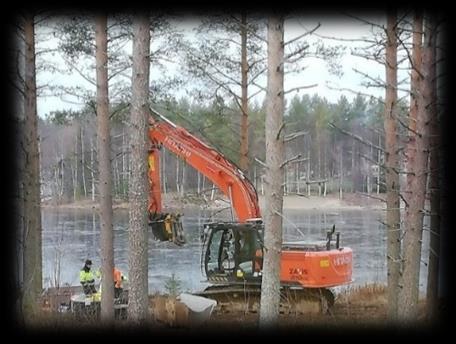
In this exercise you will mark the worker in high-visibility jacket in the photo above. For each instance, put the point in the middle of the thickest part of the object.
(87, 279)
(118, 279)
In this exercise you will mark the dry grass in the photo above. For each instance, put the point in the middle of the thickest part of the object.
(355, 308)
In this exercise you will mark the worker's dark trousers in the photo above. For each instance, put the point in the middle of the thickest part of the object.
(117, 292)
(89, 288)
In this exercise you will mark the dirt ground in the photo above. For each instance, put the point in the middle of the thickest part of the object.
(354, 309)
(362, 306)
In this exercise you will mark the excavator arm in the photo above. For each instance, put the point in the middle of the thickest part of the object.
(222, 172)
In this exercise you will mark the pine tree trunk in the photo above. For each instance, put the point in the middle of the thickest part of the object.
(17, 175)
(244, 159)
(138, 304)
(92, 167)
(379, 163)
(31, 240)
(78, 161)
(353, 166)
(104, 167)
(270, 289)
(73, 178)
(413, 222)
(297, 178)
(414, 94)
(341, 173)
(308, 166)
(392, 177)
(83, 163)
(124, 166)
(434, 186)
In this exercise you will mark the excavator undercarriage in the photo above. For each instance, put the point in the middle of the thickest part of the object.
(246, 298)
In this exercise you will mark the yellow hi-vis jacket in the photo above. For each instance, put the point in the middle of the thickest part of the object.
(86, 277)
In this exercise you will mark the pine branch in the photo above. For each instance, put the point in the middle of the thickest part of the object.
(286, 162)
(365, 21)
(303, 35)
(260, 162)
(255, 93)
(295, 135)
(356, 137)
(282, 126)
(365, 40)
(370, 196)
(354, 92)
(299, 88)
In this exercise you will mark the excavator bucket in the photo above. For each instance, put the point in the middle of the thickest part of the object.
(167, 227)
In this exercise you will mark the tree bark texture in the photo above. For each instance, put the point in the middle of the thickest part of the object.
(105, 174)
(413, 221)
(391, 175)
(270, 289)
(434, 192)
(138, 187)
(31, 239)
(244, 159)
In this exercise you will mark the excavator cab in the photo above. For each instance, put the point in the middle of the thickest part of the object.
(233, 251)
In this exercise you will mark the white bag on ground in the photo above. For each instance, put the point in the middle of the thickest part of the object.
(200, 307)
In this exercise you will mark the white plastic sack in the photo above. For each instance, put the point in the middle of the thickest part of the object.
(200, 307)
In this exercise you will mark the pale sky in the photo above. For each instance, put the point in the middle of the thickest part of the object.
(315, 73)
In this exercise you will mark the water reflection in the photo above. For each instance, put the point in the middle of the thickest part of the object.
(71, 236)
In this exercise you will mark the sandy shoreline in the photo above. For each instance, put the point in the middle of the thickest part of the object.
(350, 201)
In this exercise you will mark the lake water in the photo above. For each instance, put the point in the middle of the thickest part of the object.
(72, 236)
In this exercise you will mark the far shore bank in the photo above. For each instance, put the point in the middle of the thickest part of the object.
(350, 201)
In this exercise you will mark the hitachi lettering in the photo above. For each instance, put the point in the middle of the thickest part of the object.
(176, 146)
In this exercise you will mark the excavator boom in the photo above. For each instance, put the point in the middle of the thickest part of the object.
(222, 172)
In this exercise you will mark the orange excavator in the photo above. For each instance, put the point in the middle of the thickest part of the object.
(233, 251)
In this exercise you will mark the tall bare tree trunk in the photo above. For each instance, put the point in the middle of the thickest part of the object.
(16, 174)
(244, 159)
(341, 171)
(92, 168)
(124, 166)
(434, 186)
(104, 167)
(308, 176)
(379, 163)
(391, 163)
(31, 240)
(83, 163)
(353, 174)
(79, 187)
(270, 288)
(414, 90)
(413, 221)
(137, 260)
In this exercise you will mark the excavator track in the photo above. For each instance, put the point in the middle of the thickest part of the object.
(246, 298)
